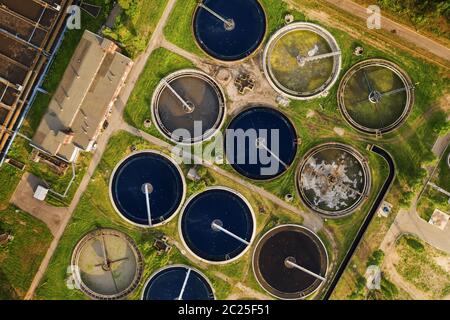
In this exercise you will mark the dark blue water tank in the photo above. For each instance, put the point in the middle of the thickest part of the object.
(163, 177)
(230, 211)
(168, 283)
(230, 45)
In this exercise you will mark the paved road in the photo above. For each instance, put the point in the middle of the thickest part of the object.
(102, 142)
(402, 31)
(408, 222)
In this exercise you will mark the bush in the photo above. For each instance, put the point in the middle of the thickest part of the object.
(415, 244)
(376, 259)
(388, 289)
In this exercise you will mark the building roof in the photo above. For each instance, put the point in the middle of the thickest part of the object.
(29, 35)
(77, 109)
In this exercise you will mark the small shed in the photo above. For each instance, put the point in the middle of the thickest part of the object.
(41, 193)
(439, 219)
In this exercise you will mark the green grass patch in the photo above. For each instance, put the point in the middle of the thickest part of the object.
(10, 178)
(20, 258)
(376, 259)
(134, 27)
(418, 264)
(160, 64)
(433, 199)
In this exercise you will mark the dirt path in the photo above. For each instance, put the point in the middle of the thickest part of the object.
(391, 259)
(408, 222)
(102, 142)
(23, 198)
(377, 38)
(401, 31)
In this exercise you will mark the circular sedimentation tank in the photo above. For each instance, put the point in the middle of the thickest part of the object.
(147, 188)
(376, 96)
(178, 282)
(218, 225)
(107, 265)
(261, 143)
(290, 262)
(229, 30)
(188, 107)
(333, 179)
(302, 61)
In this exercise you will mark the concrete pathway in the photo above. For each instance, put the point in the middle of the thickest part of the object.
(183, 53)
(102, 142)
(408, 222)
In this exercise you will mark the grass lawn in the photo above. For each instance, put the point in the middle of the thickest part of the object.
(20, 259)
(136, 24)
(179, 27)
(95, 210)
(160, 64)
(10, 178)
(423, 266)
(433, 199)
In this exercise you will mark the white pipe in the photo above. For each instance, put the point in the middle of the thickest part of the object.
(180, 297)
(175, 93)
(323, 56)
(215, 14)
(147, 201)
(215, 225)
(306, 270)
(262, 145)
